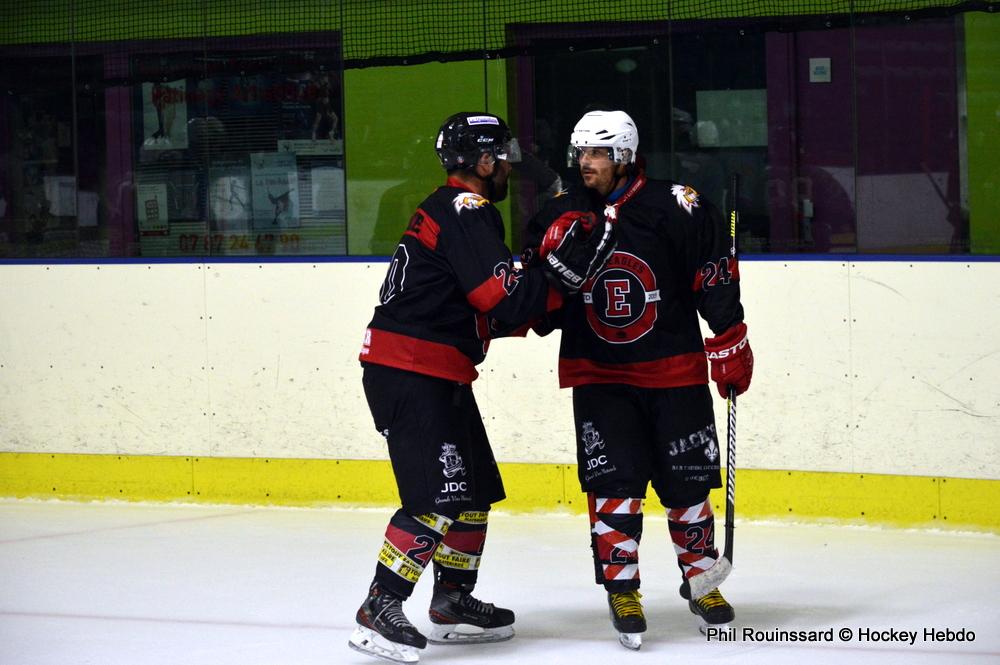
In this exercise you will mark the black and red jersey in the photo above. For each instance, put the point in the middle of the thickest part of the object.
(636, 321)
(450, 286)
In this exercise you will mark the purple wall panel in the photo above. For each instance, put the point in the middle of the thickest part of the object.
(824, 115)
(908, 166)
(825, 121)
(7, 217)
(907, 96)
(119, 187)
(781, 148)
(901, 83)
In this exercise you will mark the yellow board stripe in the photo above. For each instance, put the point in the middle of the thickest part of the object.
(861, 498)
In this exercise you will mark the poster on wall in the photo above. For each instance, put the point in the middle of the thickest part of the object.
(310, 148)
(164, 115)
(275, 183)
(310, 124)
(328, 189)
(308, 108)
(87, 205)
(60, 192)
(229, 197)
(182, 190)
(151, 206)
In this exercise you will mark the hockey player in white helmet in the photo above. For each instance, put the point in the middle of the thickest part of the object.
(605, 135)
(632, 351)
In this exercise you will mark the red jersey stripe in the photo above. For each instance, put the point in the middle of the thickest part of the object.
(424, 228)
(486, 296)
(686, 369)
(417, 355)
(554, 300)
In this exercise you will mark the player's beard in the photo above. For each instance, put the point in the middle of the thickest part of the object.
(496, 185)
(603, 180)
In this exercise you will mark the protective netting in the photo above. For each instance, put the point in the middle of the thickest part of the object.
(382, 32)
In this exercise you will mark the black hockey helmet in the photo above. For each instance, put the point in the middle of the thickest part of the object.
(465, 136)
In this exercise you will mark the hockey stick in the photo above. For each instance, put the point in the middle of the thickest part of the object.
(703, 583)
(730, 475)
(734, 220)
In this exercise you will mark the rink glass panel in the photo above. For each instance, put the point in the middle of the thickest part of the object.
(862, 134)
(175, 149)
(846, 139)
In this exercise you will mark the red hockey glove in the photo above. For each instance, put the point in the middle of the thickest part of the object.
(557, 229)
(732, 359)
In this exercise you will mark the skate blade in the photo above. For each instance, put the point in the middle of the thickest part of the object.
(464, 633)
(631, 641)
(369, 642)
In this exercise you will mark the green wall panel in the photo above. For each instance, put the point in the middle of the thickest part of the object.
(982, 79)
(392, 115)
(376, 28)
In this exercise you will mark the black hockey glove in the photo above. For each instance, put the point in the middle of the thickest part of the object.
(580, 255)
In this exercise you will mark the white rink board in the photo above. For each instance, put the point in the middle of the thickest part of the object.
(876, 367)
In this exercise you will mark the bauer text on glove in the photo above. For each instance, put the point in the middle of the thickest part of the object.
(579, 255)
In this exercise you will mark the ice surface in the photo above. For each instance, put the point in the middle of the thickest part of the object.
(152, 584)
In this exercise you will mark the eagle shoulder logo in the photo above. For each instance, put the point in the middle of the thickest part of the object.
(469, 200)
(686, 197)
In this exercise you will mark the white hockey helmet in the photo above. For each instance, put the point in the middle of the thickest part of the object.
(607, 129)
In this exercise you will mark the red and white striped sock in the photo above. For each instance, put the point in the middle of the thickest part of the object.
(615, 532)
(692, 530)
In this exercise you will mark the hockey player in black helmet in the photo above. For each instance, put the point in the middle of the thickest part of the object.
(451, 286)
(465, 137)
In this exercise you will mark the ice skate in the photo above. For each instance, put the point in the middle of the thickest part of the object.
(712, 609)
(460, 618)
(384, 631)
(627, 617)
